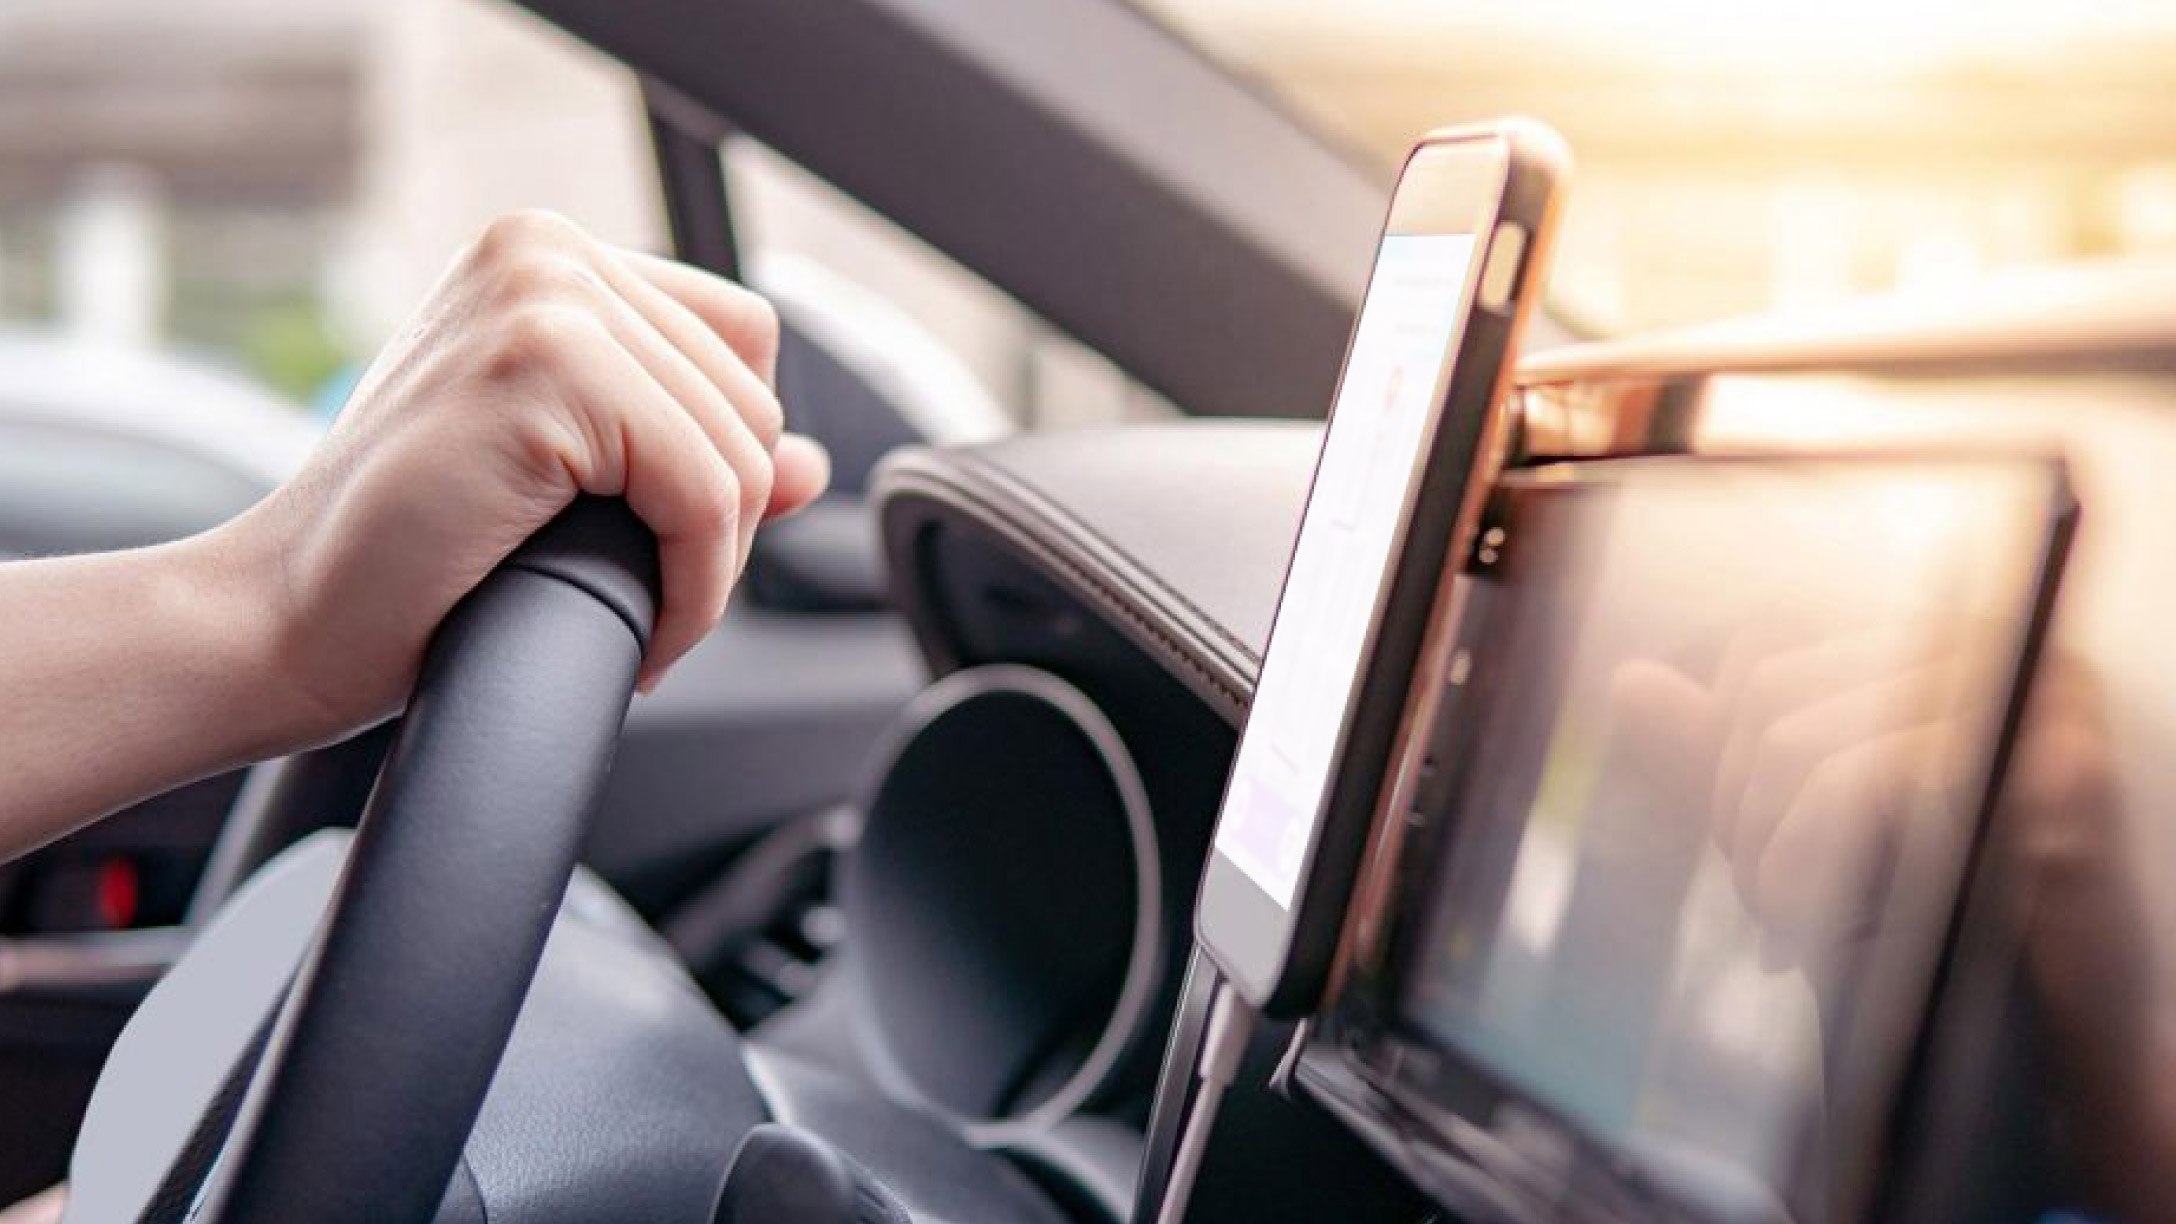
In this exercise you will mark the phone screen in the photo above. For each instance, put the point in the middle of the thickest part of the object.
(1363, 491)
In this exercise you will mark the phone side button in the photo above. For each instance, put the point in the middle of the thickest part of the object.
(1500, 279)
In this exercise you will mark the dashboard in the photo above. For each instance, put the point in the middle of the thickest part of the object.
(1971, 502)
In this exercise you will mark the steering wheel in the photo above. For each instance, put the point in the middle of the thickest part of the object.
(379, 1058)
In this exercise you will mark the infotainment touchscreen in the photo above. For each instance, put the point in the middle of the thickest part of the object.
(1716, 746)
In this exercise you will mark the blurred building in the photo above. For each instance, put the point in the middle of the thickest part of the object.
(274, 182)
(191, 158)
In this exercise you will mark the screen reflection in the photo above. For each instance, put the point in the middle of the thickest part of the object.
(1726, 743)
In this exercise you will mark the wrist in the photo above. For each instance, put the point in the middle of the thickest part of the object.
(230, 588)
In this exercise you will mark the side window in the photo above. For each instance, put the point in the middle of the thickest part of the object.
(365, 142)
(802, 237)
(270, 186)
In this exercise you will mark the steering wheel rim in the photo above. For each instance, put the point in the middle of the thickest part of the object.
(385, 1046)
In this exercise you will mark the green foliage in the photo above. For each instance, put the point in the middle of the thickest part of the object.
(290, 347)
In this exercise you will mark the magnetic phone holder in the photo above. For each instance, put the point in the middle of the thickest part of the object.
(1004, 904)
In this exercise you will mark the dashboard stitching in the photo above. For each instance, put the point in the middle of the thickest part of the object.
(1148, 577)
(1104, 593)
(1116, 601)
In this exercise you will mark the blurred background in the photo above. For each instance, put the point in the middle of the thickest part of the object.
(267, 185)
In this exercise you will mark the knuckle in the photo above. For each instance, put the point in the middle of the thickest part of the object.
(1792, 739)
(545, 276)
(538, 336)
(759, 322)
(766, 418)
(1776, 768)
(716, 508)
(1828, 784)
(1762, 687)
(755, 488)
(516, 234)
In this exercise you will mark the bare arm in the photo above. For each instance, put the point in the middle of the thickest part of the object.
(544, 365)
(128, 673)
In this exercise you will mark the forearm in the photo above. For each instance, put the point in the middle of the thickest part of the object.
(545, 365)
(126, 674)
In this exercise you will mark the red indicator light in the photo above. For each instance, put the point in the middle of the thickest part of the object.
(118, 893)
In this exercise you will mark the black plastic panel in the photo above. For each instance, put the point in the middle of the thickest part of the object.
(1001, 911)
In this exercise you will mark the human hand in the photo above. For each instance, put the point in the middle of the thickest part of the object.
(1809, 756)
(544, 364)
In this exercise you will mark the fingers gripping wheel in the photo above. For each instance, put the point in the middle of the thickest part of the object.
(381, 1057)
(598, 545)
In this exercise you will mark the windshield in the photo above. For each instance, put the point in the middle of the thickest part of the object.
(1738, 157)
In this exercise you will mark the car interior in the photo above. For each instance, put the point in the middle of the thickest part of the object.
(883, 907)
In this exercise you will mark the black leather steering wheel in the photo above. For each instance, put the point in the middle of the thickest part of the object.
(380, 1058)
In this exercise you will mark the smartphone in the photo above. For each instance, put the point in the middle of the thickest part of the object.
(1415, 432)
